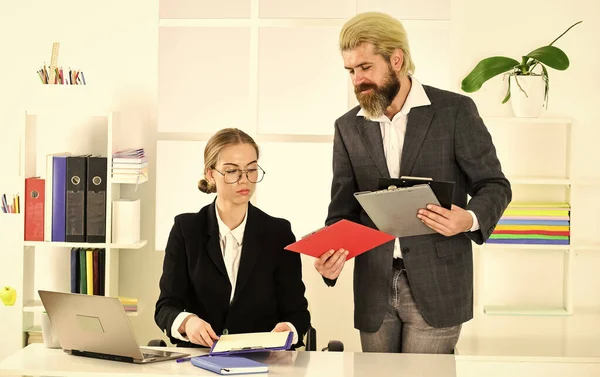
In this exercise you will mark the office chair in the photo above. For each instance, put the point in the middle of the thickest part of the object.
(157, 343)
(310, 342)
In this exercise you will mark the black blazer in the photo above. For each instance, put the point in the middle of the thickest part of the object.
(269, 286)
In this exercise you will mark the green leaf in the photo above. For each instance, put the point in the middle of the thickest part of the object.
(552, 56)
(485, 70)
(505, 100)
(547, 86)
(565, 32)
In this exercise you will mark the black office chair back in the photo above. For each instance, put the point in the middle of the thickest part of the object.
(334, 346)
(311, 339)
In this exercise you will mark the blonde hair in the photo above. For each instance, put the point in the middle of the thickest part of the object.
(223, 138)
(383, 31)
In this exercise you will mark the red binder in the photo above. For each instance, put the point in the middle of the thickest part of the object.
(344, 234)
(34, 209)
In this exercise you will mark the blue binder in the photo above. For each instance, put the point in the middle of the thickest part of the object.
(59, 197)
(226, 365)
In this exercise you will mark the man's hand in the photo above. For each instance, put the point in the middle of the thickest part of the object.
(281, 327)
(331, 263)
(446, 222)
(199, 331)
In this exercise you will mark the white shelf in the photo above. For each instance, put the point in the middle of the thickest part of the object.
(505, 120)
(586, 246)
(117, 180)
(137, 245)
(52, 99)
(575, 349)
(540, 181)
(554, 181)
(566, 336)
(524, 310)
(582, 181)
(35, 306)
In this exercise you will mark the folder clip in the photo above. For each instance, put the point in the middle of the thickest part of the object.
(252, 348)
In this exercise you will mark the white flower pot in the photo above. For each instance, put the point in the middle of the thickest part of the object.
(530, 105)
(48, 334)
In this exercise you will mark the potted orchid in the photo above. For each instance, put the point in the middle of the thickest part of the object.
(529, 92)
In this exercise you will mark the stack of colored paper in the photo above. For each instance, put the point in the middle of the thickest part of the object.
(129, 304)
(533, 223)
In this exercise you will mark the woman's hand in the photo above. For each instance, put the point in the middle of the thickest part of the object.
(281, 327)
(199, 331)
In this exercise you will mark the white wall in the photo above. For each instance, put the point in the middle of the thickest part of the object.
(116, 43)
(514, 29)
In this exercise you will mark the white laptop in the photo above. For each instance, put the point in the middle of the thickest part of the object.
(97, 326)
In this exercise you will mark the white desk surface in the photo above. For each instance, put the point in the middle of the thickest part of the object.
(550, 349)
(37, 360)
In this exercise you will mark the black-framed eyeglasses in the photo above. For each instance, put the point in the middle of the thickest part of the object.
(231, 176)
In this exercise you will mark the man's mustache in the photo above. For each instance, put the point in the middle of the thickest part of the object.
(363, 87)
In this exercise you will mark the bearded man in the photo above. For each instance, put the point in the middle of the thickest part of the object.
(413, 294)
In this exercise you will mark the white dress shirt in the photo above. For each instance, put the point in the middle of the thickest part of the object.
(393, 132)
(231, 246)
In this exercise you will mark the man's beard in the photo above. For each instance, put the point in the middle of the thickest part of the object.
(375, 102)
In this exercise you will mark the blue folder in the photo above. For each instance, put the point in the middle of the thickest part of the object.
(229, 364)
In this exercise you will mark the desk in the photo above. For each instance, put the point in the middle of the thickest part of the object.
(37, 360)
(533, 357)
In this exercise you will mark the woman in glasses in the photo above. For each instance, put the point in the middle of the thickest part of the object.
(225, 268)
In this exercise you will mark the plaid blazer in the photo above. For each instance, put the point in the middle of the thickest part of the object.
(446, 140)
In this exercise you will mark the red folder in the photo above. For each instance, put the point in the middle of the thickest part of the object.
(34, 209)
(344, 234)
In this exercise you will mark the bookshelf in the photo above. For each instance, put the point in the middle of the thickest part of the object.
(133, 246)
(32, 265)
(553, 181)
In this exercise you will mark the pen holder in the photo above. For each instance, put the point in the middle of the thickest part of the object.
(50, 338)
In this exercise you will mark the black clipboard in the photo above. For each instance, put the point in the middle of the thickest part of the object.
(443, 190)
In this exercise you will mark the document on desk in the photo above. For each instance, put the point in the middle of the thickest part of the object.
(443, 190)
(252, 342)
(394, 211)
(228, 365)
(344, 234)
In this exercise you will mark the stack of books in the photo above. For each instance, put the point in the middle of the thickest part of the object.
(88, 271)
(129, 304)
(534, 223)
(129, 166)
(34, 335)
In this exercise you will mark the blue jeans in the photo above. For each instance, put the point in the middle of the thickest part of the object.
(404, 329)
